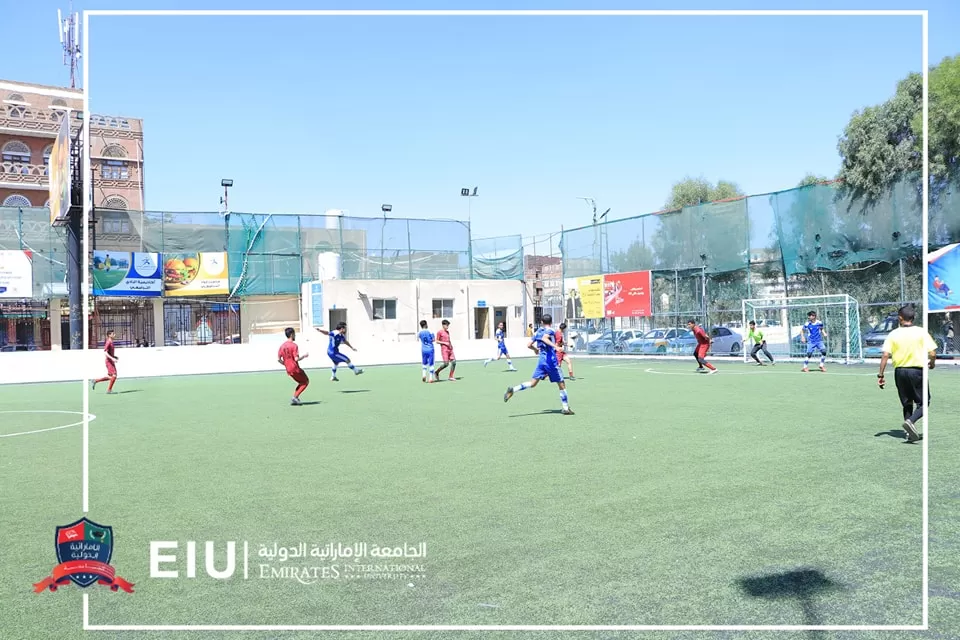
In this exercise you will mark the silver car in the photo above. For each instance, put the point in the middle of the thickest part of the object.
(612, 342)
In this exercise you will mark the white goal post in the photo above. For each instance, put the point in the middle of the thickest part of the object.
(781, 321)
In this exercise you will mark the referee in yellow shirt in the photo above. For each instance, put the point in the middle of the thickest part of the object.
(911, 348)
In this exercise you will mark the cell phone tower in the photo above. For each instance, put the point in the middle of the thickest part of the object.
(69, 29)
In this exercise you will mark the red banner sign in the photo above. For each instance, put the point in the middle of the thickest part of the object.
(627, 295)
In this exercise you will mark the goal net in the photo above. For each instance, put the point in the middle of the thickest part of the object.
(781, 320)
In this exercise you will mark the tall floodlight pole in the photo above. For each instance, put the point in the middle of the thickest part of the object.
(466, 193)
(597, 244)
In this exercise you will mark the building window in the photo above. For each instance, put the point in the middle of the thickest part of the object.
(384, 309)
(114, 170)
(442, 308)
(119, 224)
(15, 97)
(16, 200)
(59, 102)
(114, 202)
(114, 151)
(15, 151)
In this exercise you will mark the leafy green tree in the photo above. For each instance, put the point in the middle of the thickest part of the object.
(674, 243)
(693, 191)
(944, 120)
(879, 145)
(810, 179)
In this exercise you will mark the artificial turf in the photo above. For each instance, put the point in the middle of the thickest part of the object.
(755, 496)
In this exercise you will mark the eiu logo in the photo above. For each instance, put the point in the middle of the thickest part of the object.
(84, 549)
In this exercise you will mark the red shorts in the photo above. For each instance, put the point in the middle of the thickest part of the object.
(701, 351)
(447, 355)
(299, 376)
(111, 368)
(561, 356)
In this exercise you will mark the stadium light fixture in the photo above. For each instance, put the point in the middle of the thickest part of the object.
(386, 208)
(465, 192)
(226, 183)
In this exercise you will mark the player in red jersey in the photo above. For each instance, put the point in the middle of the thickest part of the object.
(111, 362)
(703, 345)
(289, 356)
(561, 352)
(446, 350)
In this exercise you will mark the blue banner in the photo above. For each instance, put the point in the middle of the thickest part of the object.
(127, 275)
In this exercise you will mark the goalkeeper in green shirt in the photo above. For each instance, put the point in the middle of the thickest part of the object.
(759, 344)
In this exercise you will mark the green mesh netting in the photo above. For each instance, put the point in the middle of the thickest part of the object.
(822, 228)
(274, 254)
(30, 230)
(498, 258)
(807, 229)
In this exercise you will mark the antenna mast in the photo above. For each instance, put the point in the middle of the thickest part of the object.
(69, 30)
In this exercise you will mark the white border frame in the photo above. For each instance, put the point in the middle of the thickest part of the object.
(87, 205)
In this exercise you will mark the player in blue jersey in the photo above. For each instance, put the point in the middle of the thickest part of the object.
(426, 352)
(501, 336)
(544, 345)
(814, 336)
(337, 337)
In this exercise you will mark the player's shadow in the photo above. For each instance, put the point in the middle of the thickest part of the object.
(802, 586)
(893, 433)
(537, 413)
(310, 403)
(130, 391)
(355, 391)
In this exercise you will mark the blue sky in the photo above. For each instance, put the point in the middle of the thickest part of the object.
(308, 114)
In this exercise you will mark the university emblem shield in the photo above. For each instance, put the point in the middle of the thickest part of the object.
(84, 549)
(86, 543)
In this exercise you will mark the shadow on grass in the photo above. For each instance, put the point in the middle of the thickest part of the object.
(538, 413)
(893, 433)
(308, 404)
(355, 391)
(130, 391)
(802, 585)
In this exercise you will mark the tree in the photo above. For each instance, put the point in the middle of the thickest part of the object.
(673, 243)
(810, 179)
(693, 191)
(879, 145)
(944, 121)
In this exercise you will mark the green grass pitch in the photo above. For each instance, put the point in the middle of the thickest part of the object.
(755, 496)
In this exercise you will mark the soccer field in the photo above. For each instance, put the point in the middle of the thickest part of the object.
(755, 496)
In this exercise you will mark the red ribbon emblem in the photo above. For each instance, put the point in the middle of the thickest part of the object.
(61, 575)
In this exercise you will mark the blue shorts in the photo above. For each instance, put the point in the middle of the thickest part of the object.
(427, 358)
(503, 348)
(547, 371)
(816, 347)
(338, 358)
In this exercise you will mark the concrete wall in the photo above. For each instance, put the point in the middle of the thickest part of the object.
(65, 366)
(414, 302)
(268, 315)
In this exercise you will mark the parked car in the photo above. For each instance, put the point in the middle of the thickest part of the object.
(654, 341)
(873, 338)
(725, 343)
(612, 342)
(684, 344)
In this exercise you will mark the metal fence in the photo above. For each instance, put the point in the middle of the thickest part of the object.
(809, 241)
(274, 253)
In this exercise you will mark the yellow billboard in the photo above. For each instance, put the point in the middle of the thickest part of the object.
(590, 289)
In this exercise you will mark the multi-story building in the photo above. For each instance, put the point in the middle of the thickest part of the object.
(30, 118)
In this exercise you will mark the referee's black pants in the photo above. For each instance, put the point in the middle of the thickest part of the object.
(910, 387)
